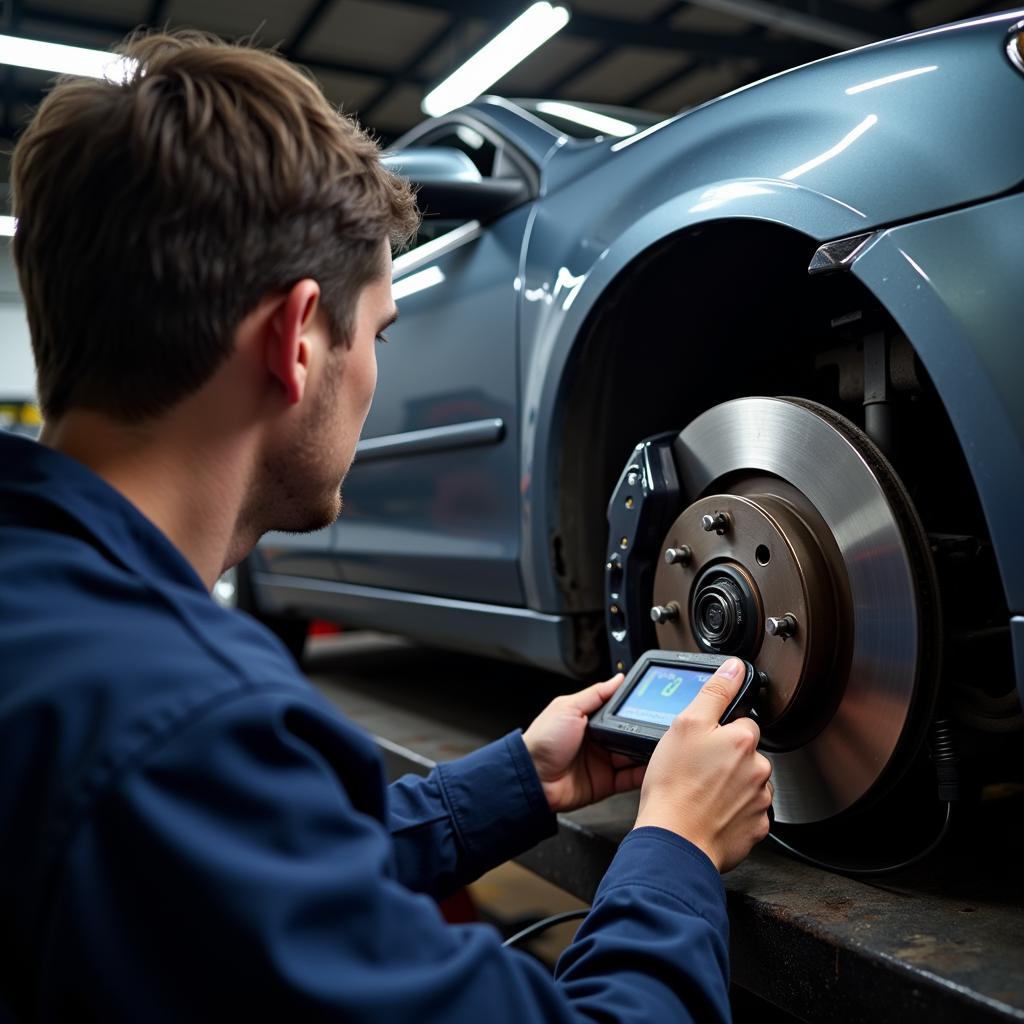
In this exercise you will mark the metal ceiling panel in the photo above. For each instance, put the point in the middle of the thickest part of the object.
(701, 83)
(464, 39)
(98, 39)
(132, 12)
(347, 91)
(634, 10)
(271, 20)
(400, 111)
(700, 19)
(385, 34)
(626, 72)
(935, 12)
(557, 57)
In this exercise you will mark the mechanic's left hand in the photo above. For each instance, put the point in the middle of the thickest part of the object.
(573, 770)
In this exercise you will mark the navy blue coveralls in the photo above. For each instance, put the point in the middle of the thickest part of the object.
(189, 832)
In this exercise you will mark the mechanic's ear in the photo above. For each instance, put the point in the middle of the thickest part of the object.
(289, 346)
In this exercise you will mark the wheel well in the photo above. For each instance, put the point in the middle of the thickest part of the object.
(687, 308)
(724, 311)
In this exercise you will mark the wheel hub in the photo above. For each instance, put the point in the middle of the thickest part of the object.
(801, 552)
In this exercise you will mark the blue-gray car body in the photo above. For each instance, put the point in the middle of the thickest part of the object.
(911, 146)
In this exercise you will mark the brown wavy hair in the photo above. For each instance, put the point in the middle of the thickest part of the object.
(156, 212)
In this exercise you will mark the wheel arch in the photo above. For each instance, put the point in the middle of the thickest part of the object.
(710, 342)
(604, 398)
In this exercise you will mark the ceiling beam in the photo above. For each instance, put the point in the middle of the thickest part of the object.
(309, 22)
(831, 23)
(603, 52)
(117, 31)
(157, 14)
(405, 73)
(629, 33)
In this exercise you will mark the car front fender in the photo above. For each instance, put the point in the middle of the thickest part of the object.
(953, 284)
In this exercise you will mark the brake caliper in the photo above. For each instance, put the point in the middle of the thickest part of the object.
(642, 507)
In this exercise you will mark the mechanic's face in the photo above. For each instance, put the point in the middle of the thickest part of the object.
(303, 476)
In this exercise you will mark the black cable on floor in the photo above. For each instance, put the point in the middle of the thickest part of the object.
(543, 925)
(885, 869)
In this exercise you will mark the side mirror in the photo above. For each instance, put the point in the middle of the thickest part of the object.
(449, 186)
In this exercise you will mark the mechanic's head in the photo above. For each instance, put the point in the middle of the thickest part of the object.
(209, 209)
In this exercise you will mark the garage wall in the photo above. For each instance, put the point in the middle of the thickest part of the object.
(17, 373)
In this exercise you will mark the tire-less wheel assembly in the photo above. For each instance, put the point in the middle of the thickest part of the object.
(774, 529)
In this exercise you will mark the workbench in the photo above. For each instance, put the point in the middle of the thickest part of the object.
(942, 942)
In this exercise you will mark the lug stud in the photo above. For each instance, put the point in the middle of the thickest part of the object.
(783, 627)
(665, 612)
(719, 522)
(678, 556)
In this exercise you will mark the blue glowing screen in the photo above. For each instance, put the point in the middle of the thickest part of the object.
(661, 693)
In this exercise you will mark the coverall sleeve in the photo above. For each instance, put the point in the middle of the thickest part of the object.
(467, 816)
(228, 874)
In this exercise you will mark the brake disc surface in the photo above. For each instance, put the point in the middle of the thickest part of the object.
(803, 553)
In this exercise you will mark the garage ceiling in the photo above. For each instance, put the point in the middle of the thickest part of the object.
(377, 58)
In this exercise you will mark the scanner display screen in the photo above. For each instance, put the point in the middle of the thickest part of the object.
(661, 693)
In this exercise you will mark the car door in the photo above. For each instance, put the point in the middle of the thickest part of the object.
(431, 504)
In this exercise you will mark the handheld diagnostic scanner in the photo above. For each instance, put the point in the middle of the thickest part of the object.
(657, 688)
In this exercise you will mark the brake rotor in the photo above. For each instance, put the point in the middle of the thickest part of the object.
(802, 552)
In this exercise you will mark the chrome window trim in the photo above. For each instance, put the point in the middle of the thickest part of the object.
(435, 249)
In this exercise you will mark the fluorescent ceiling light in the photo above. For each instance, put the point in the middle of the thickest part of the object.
(588, 118)
(7, 225)
(64, 60)
(535, 26)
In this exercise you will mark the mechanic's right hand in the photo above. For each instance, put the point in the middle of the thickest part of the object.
(707, 782)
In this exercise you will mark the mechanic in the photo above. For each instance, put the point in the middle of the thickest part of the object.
(190, 831)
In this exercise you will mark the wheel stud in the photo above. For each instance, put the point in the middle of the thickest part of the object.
(719, 522)
(665, 612)
(678, 556)
(783, 627)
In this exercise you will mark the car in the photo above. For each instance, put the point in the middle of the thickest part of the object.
(747, 380)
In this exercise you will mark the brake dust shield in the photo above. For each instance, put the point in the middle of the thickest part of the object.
(801, 551)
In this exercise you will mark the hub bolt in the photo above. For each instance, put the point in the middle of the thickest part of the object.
(678, 556)
(719, 522)
(783, 627)
(665, 612)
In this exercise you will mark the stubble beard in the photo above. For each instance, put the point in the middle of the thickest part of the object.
(292, 492)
